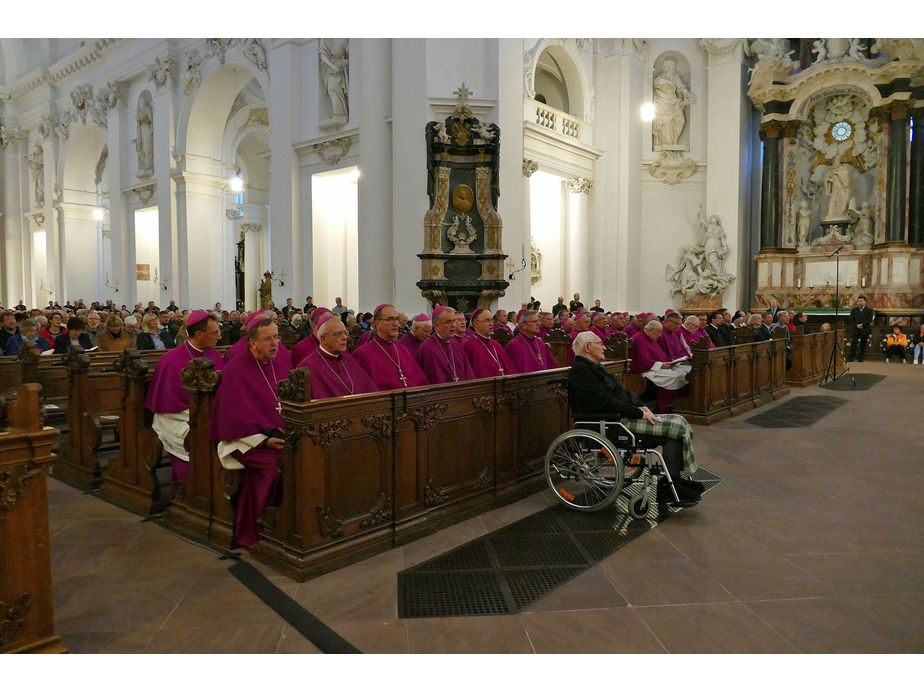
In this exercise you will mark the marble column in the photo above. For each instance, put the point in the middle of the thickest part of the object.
(121, 245)
(253, 275)
(896, 182)
(168, 233)
(770, 226)
(916, 192)
(529, 168)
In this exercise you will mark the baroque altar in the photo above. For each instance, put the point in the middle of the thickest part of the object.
(462, 264)
(841, 169)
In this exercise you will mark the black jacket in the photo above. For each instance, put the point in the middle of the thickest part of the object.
(594, 393)
(146, 343)
(717, 336)
(762, 333)
(861, 316)
(63, 342)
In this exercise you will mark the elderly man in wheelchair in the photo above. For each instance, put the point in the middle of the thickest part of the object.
(614, 443)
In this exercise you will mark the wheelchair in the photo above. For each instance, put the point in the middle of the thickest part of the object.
(590, 465)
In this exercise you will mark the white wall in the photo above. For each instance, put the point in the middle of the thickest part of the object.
(547, 224)
(147, 252)
(334, 207)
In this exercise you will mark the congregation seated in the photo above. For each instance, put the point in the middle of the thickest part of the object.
(388, 363)
(487, 358)
(29, 334)
(54, 327)
(917, 356)
(527, 351)
(152, 336)
(418, 334)
(9, 328)
(595, 394)
(73, 337)
(440, 357)
(131, 325)
(94, 326)
(763, 326)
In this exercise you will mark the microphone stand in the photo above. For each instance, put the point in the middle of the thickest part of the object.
(831, 373)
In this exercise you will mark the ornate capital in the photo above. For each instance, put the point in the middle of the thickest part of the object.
(254, 51)
(530, 167)
(162, 70)
(716, 48)
(219, 47)
(251, 228)
(192, 77)
(580, 185)
(82, 98)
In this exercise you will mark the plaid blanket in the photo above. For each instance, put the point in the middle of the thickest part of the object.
(672, 426)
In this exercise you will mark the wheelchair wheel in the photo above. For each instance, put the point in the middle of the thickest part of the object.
(638, 506)
(584, 470)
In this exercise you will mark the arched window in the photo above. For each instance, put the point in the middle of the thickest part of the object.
(550, 83)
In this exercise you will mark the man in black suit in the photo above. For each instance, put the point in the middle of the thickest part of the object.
(309, 306)
(763, 332)
(774, 308)
(727, 328)
(716, 334)
(575, 304)
(861, 319)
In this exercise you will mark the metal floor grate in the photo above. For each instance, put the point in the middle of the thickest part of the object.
(799, 412)
(507, 570)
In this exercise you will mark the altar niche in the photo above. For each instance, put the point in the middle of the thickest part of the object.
(462, 264)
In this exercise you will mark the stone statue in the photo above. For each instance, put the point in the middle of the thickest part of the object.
(671, 97)
(837, 186)
(863, 229)
(334, 56)
(702, 267)
(37, 164)
(266, 290)
(144, 143)
(803, 224)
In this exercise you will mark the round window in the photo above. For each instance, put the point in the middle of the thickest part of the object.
(841, 130)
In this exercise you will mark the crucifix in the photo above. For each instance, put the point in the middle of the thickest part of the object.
(403, 379)
(462, 93)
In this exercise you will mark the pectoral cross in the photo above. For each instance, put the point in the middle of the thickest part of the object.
(501, 370)
(279, 408)
(403, 379)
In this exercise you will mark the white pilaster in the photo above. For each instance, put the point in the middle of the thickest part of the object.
(169, 270)
(122, 241)
(728, 157)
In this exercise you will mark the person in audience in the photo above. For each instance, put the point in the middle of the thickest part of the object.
(652, 363)
(546, 324)
(29, 334)
(596, 307)
(500, 321)
(917, 356)
(739, 319)
(581, 323)
(440, 358)
(283, 358)
(781, 331)
(670, 336)
(774, 308)
(716, 334)
(339, 309)
(167, 399)
(131, 327)
(618, 322)
(388, 363)
(420, 332)
(559, 307)
(638, 324)
(896, 344)
(575, 304)
(600, 324)
(726, 327)
(403, 326)
(487, 357)
(595, 394)
(94, 327)
(8, 329)
(763, 329)
(114, 338)
(311, 342)
(334, 371)
(826, 327)
(73, 337)
(755, 322)
(527, 351)
(800, 319)
(247, 422)
(458, 328)
(861, 320)
(54, 327)
(149, 338)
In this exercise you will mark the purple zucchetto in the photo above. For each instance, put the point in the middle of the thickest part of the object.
(196, 316)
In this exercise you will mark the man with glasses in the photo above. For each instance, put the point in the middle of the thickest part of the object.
(334, 372)
(388, 363)
(441, 358)
(595, 395)
(527, 350)
(166, 397)
(487, 356)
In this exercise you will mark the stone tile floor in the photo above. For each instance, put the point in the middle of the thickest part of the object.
(812, 544)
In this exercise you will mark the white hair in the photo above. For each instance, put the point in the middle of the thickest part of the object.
(526, 314)
(423, 323)
(577, 346)
(653, 324)
(323, 329)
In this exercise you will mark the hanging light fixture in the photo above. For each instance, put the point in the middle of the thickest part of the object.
(647, 111)
(236, 184)
(98, 213)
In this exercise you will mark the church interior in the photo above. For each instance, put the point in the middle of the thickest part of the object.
(651, 175)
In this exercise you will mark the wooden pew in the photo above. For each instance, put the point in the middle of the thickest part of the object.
(810, 353)
(26, 617)
(131, 477)
(559, 344)
(727, 381)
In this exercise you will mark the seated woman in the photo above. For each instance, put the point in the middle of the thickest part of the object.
(595, 394)
(29, 334)
(918, 355)
(113, 338)
(149, 338)
(896, 343)
(74, 336)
